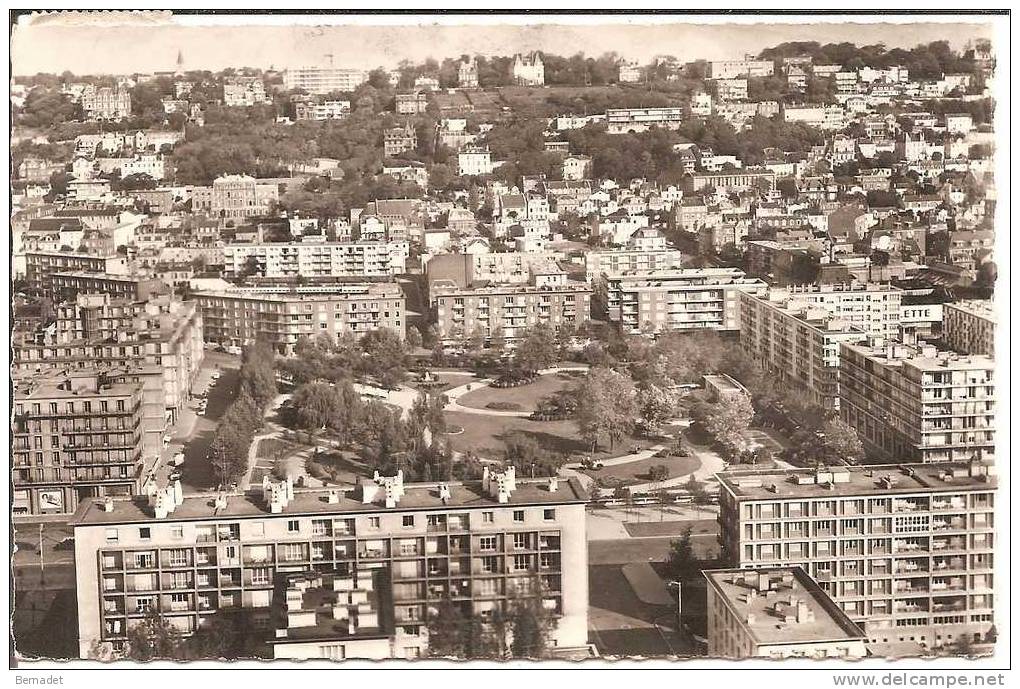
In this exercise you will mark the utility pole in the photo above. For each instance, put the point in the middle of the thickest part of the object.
(42, 566)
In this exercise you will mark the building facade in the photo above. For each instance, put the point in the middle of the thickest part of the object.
(686, 299)
(323, 80)
(281, 315)
(74, 436)
(636, 120)
(969, 326)
(235, 197)
(916, 403)
(396, 551)
(906, 551)
(528, 70)
(315, 260)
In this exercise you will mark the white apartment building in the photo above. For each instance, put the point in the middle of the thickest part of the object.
(323, 80)
(474, 161)
(316, 260)
(637, 120)
(969, 326)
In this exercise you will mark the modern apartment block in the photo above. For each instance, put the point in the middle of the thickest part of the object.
(916, 403)
(906, 551)
(324, 80)
(109, 332)
(871, 307)
(797, 342)
(776, 613)
(686, 299)
(969, 326)
(74, 436)
(334, 574)
(67, 286)
(316, 259)
(42, 266)
(636, 120)
(505, 311)
(732, 69)
(631, 260)
(281, 315)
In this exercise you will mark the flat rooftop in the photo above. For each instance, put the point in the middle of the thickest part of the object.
(985, 308)
(314, 502)
(925, 357)
(765, 600)
(784, 484)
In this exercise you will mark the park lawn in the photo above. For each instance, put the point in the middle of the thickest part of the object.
(273, 448)
(453, 380)
(672, 528)
(526, 397)
(482, 433)
(637, 472)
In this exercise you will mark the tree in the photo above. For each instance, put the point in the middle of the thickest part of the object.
(658, 472)
(681, 563)
(537, 348)
(606, 406)
(447, 631)
(841, 442)
(727, 419)
(657, 405)
(315, 405)
(531, 625)
(413, 338)
(154, 638)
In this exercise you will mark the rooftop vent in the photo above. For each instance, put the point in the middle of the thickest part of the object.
(277, 494)
(444, 493)
(554, 484)
(392, 488)
(108, 504)
(499, 484)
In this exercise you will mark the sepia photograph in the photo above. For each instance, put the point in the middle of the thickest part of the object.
(547, 340)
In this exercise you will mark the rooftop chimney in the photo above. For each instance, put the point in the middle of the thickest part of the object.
(499, 484)
(554, 484)
(392, 488)
(108, 504)
(277, 494)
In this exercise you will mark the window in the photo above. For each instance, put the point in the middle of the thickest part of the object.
(333, 652)
(521, 563)
(408, 520)
(260, 576)
(293, 526)
(178, 557)
(487, 543)
(549, 515)
(518, 515)
(520, 541)
(177, 532)
(144, 560)
(374, 522)
(490, 565)
(112, 536)
(143, 604)
(488, 517)
(292, 551)
(145, 533)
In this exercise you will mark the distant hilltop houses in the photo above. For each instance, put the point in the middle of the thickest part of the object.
(529, 70)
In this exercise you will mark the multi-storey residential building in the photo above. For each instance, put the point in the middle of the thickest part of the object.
(315, 260)
(873, 308)
(42, 266)
(244, 91)
(630, 73)
(969, 326)
(503, 312)
(399, 139)
(733, 69)
(34, 169)
(106, 103)
(474, 160)
(281, 315)
(687, 299)
(97, 330)
(323, 80)
(916, 403)
(528, 70)
(576, 168)
(467, 74)
(776, 613)
(631, 261)
(326, 110)
(412, 103)
(635, 120)
(235, 197)
(731, 89)
(67, 286)
(797, 341)
(74, 436)
(906, 551)
(727, 181)
(382, 557)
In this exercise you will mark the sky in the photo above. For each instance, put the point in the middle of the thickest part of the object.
(121, 43)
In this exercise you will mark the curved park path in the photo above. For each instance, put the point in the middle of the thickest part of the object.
(454, 394)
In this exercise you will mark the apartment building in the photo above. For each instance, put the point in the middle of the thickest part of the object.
(244, 92)
(281, 315)
(731, 89)
(376, 561)
(41, 267)
(636, 120)
(474, 160)
(399, 139)
(686, 299)
(106, 103)
(326, 110)
(235, 197)
(776, 613)
(503, 312)
(316, 260)
(74, 436)
(631, 261)
(969, 326)
(796, 341)
(916, 403)
(727, 181)
(67, 286)
(98, 330)
(411, 103)
(323, 80)
(733, 69)
(906, 551)
(874, 308)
